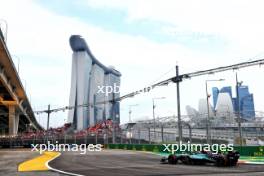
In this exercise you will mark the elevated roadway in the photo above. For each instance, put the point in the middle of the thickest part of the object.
(16, 114)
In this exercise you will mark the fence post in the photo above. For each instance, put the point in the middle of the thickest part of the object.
(121, 137)
(162, 137)
(139, 138)
(149, 135)
(65, 140)
(85, 139)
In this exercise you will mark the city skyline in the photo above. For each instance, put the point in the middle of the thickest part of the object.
(246, 101)
(142, 40)
(224, 104)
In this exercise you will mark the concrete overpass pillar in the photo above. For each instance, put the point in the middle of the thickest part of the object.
(13, 120)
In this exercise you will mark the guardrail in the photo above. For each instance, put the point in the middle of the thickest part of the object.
(156, 148)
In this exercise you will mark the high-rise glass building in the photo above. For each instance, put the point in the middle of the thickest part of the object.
(215, 92)
(93, 85)
(245, 103)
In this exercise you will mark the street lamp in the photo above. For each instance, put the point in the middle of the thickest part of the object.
(129, 133)
(6, 28)
(238, 111)
(208, 135)
(18, 62)
(130, 111)
(129, 136)
(153, 108)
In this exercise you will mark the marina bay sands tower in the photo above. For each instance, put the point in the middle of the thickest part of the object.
(92, 84)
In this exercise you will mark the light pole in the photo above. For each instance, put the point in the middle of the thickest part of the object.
(25, 84)
(177, 81)
(153, 108)
(6, 28)
(48, 119)
(18, 62)
(208, 135)
(130, 121)
(238, 111)
(130, 112)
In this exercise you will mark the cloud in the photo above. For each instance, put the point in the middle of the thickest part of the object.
(238, 22)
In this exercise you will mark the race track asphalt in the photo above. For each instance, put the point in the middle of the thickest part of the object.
(123, 163)
(11, 158)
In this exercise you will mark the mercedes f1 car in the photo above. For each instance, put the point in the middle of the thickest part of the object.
(202, 158)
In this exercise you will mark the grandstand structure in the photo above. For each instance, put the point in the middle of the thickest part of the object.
(16, 114)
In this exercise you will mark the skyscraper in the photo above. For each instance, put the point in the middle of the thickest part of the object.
(215, 92)
(91, 83)
(246, 101)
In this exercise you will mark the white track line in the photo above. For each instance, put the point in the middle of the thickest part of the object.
(59, 171)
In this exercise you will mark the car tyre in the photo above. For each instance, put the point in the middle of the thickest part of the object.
(187, 160)
(220, 162)
(172, 159)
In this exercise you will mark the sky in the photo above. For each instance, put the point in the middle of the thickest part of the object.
(144, 40)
